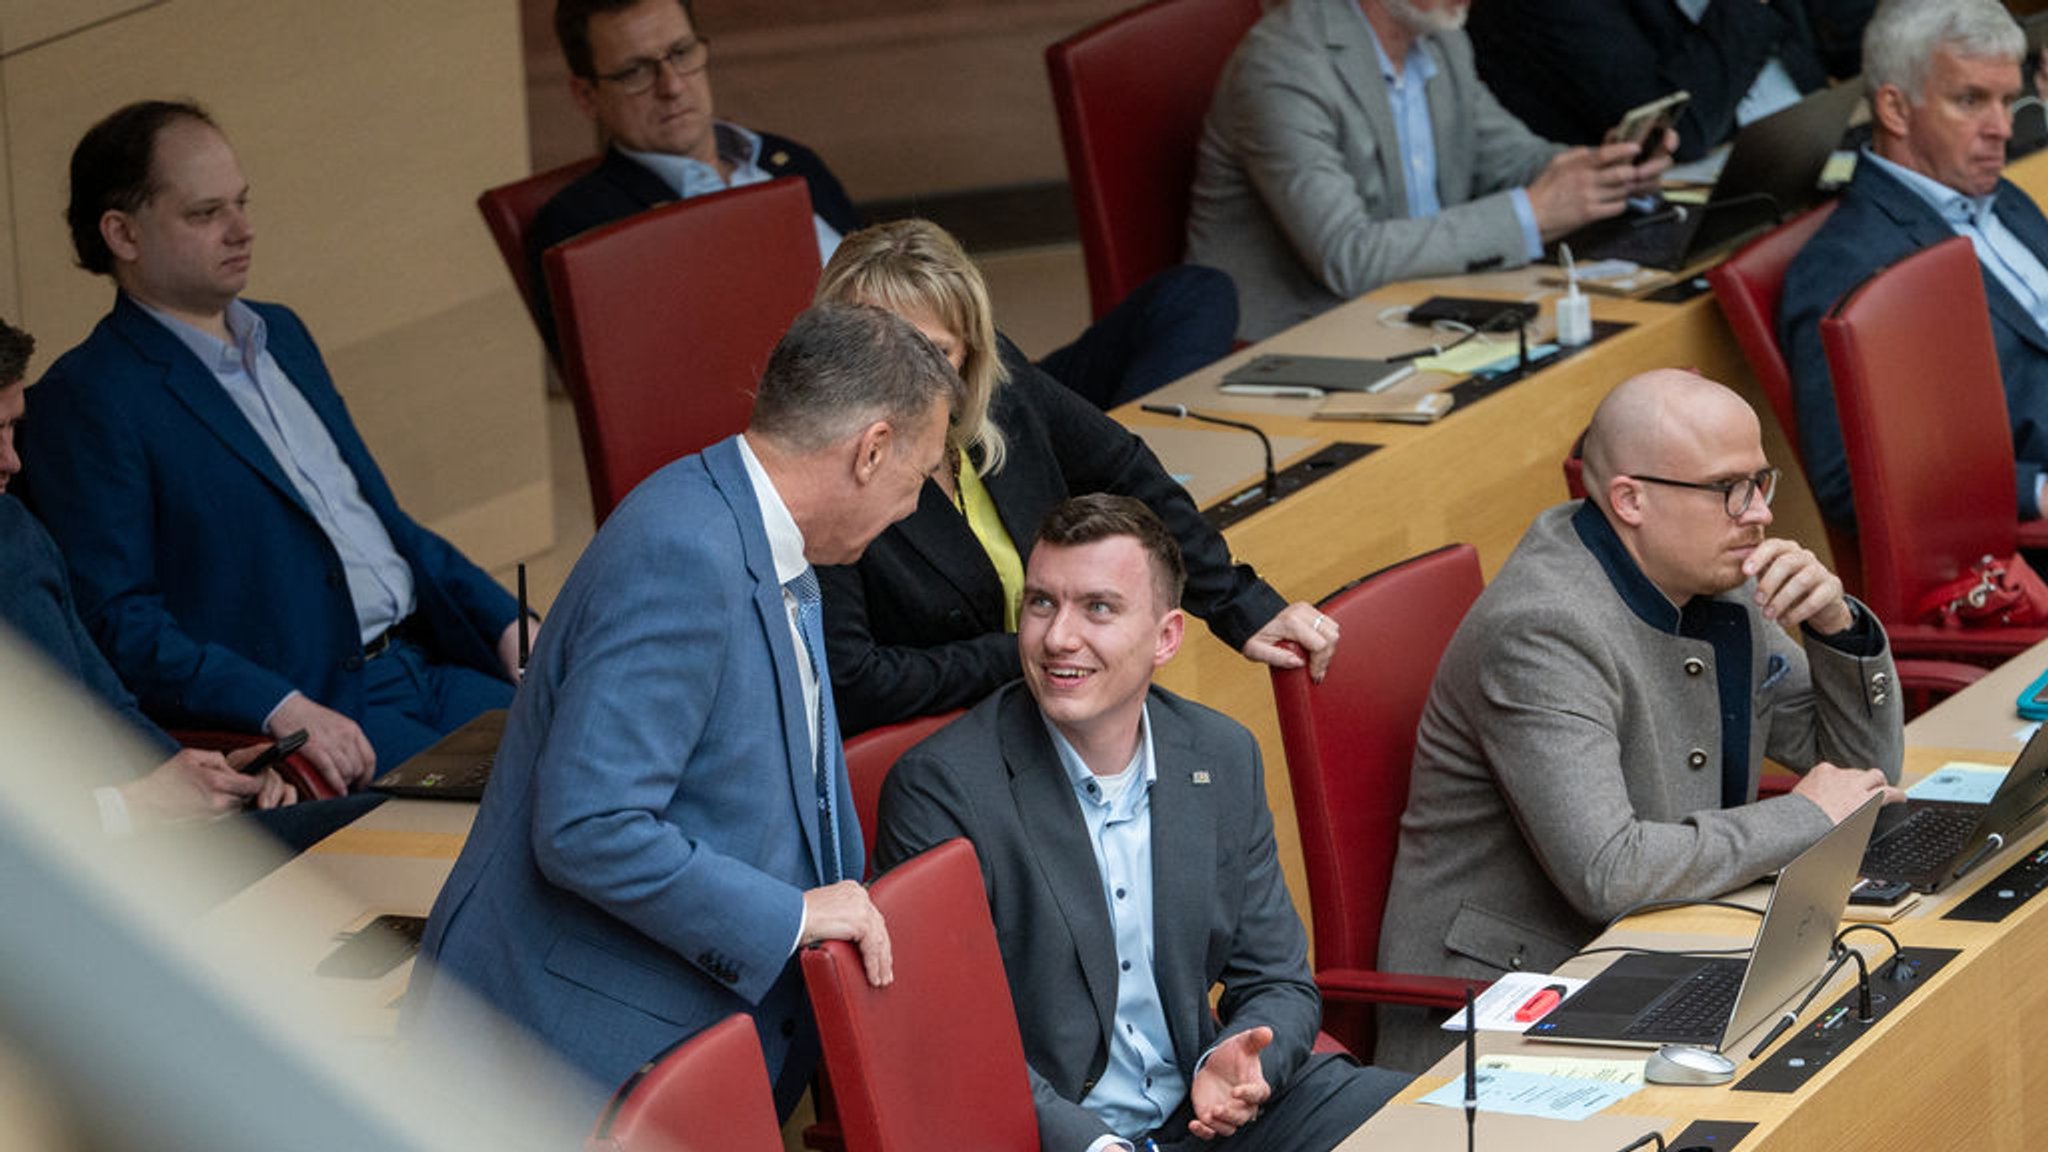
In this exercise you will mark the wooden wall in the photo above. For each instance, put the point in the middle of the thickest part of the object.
(366, 128)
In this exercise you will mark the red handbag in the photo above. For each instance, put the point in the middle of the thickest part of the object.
(1997, 593)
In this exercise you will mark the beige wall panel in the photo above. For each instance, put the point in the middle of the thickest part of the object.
(366, 129)
(10, 286)
(24, 23)
(465, 447)
(937, 101)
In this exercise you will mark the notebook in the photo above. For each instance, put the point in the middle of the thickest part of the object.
(1709, 1001)
(1931, 843)
(456, 767)
(1773, 171)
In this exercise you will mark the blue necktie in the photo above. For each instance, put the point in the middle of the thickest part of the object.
(830, 765)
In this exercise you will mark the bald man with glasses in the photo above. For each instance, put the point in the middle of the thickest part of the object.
(1597, 726)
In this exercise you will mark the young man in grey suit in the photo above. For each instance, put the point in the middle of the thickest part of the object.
(1127, 852)
(1597, 726)
(1351, 144)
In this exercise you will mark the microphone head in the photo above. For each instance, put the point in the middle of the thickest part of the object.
(1178, 411)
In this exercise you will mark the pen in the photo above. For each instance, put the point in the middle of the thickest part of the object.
(1535, 1007)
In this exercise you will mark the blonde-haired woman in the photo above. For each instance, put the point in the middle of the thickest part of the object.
(927, 620)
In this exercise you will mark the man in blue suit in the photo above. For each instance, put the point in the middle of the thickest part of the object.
(1943, 76)
(669, 817)
(234, 549)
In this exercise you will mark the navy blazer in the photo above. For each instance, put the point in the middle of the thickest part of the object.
(1879, 222)
(621, 186)
(1570, 69)
(35, 599)
(197, 567)
(916, 627)
(1220, 907)
(637, 869)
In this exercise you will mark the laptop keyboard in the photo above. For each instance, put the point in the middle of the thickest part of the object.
(1922, 844)
(1659, 244)
(1698, 1008)
(477, 776)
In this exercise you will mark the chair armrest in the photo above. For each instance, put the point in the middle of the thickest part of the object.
(1365, 986)
(2033, 535)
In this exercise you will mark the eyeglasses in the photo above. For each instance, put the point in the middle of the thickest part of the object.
(685, 59)
(1735, 494)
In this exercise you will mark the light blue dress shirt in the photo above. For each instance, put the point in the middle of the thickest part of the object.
(2008, 259)
(1408, 94)
(1142, 1084)
(739, 148)
(380, 581)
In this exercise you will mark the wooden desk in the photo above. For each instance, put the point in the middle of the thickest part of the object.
(1958, 1065)
(1477, 476)
(391, 861)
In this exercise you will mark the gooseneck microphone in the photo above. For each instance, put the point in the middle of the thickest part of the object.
(1471, 1072)
(1271, 488)
(1644, 1141)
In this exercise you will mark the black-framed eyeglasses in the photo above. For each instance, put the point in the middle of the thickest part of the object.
(1735, 494)
(685, 59)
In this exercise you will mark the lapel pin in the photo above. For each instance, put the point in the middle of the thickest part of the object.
(1199, 776)
(779, 158)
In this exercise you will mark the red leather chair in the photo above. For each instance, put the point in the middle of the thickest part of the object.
(936, 1054)
(709, 1093)
(1748, 286)
(870, 755)
(1929, 443)
(1349, 743)
(508, 211)
(667, 319)
(1131, 93)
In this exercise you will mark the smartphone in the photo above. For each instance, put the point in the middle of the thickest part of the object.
(1645, 124)
(1879, 892)
(274, 755)
(378, 947)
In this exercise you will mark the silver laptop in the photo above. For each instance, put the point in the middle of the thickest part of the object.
(1645, 1001)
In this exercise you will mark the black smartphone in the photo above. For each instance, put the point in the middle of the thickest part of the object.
(381, 945)
(274, 755)
(1882, 893)
(1646, 124)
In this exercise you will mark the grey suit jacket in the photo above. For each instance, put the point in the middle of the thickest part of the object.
(1568, 764)
(1299, 193)
(1220, 908)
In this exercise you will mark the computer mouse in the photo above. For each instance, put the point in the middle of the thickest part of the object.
(1682, 1064)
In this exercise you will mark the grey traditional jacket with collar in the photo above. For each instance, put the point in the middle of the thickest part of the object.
(1568, 763)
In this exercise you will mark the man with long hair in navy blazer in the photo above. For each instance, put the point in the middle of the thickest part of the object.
(669, 817)
(233, 547)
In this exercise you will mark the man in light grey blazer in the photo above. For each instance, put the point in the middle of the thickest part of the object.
(1595, 731)
(1127, 852)
(1351, 144)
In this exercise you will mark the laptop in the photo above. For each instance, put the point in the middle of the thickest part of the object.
(1932, 843)
(456, 767)
(1644, 1001)
(1773, 172)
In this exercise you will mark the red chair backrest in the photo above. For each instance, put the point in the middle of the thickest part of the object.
(668, 318)
(870, 755)
(1748, 286)
(1924, 424)
(936, 1054)
(709, 1093)
(1350, 741)
(508, 211)
(1131, 93)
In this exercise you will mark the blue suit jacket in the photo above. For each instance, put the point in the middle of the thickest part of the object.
(1879, 222)
(1221, 912)
(196, 565)
(637, 870)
